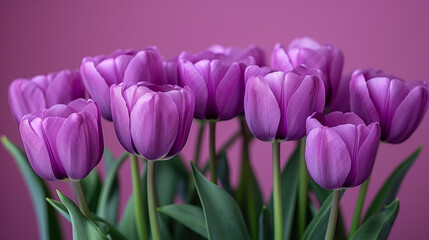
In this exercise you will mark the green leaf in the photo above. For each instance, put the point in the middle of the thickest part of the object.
(46, 218)
(167, 180)
(378, 226)
(110, 230)
(289, 178)
(83, 228)
(108, 203)
(91, 185)
(317, 227)
(265, 229)
(388, 191)
(222, 170)
(222, 214)
(188, 215)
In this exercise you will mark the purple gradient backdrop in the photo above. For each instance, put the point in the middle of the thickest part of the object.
(40, 37)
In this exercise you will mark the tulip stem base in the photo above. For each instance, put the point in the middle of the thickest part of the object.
(80, 196)
(330, 231)
(138, 198)
(358, 208)
(151, 199)
(212, 146)
(303, 190)
(277, 193)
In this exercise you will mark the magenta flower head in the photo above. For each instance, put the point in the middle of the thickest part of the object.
(239, 54)
(152, 120)
(100, 72)
(340, 149)
(43, 91)
(307, 51)
(277, 105)
(64, 141)
(217, 81)
(398, 106)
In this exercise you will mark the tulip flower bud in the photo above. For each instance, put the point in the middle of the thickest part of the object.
(276, 105)
(152, 120)
(239, 54)
(101, 72)
(217, 81)
(340, 149)
(64, 141)
(398, 106)
(43, 91)
(307, 51)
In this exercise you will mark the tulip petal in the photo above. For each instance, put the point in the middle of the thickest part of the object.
(261, 109)
(146, 66)
(230, 103)
(97, 88)
(360, 100)
(408, 115)
(121, 118)
(65, 87)
(254, 70)
(36, 151)
(304, 42)
(154, 125)
(280, 59)
(24, 98)
(53, 126)
(327, 158)
(78, 145)
(192, 77)
(309, 97)
(369, 138)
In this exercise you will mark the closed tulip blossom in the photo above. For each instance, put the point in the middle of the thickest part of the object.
(152, 120)
(44, 91)
(276, 105)
(307, 51)
(340, 149)
(239, 54)
(101, 72)
(398, 106)
(64, 141)
(217, 81)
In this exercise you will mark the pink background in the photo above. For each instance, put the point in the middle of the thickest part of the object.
(38, 37)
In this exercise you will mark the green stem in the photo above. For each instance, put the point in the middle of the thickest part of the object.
(138, 198)
(151, 198)
(247, 181)
(80, 196)
(277, 192)
(358, 208)
(303, 190)
(212, 146)
(197, 152)
(330, 231)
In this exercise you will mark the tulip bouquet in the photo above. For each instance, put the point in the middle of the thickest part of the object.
(337, 121)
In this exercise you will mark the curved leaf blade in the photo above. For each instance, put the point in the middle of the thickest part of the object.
(378, 226)
(222, 214)
(46, 219)
(188, 215)
(390, 188)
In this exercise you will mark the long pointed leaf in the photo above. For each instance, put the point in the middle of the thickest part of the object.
(265, 229)
(188, 215)
(390, 188)
(222, 214)
(378, 226)
(46, 219)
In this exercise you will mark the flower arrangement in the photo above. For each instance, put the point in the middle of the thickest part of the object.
(337, 121)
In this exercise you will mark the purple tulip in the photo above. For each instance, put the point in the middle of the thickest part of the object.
(100, 72)
(43, 91)
(307, 51)
(239, 54)
(64, 141)
(398, 106)
(276, 105)
(340, 149)
(152, 120)
(217, 81)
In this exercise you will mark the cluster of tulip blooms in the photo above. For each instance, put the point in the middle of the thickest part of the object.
(302, 96)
